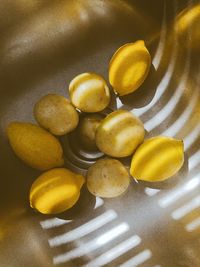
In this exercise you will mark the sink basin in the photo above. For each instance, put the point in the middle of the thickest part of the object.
(44, 44)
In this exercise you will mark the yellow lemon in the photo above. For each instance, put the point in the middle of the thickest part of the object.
(157, 159)
(35, 146)
(55, 191)
(129, 67)
(119, 134)
(56, 114)
(89, 92)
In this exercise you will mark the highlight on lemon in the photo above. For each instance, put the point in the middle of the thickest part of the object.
(129, 67)
(55, 191)
(157, 159)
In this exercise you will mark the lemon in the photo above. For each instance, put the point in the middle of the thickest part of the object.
(89, 92)
(56, 114)
(35, 146)
(55, 191)
(119, 134)
(157, 159)
(129, 67)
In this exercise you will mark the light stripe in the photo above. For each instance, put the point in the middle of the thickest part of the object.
(126, 135)
(187, 208)
(193, 225)
(181, 121)
(54, 222)
(192, 137)
(159, 52)
(86, 87)
(115, 252)
(194, 160)
(84, 229)
(162, 86)
(99, 202)
(168, 108)
(179, 192)
(138, 259)
(151, 191)
(92, 245)
(117, 118)
(118, 103)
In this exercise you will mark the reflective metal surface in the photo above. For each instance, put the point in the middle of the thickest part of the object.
(44, 44)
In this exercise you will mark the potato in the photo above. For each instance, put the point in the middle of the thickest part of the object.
(119, 134)
(107, 178)
(89, 92)
(56, 114)
(87, 130)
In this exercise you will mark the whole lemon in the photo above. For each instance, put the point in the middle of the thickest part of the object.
(55, 191)
(35, 146)
(129, 67)
(157, 159)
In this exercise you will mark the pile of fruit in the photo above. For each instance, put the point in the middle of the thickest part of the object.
(119, 134)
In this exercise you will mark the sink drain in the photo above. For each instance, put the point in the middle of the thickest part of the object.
(76, 154)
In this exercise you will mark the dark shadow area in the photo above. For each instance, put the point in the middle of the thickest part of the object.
(143, 95)
(154, 7)
(82, 208)
(16, 180)
(75, 155)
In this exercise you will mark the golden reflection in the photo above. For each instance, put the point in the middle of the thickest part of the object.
(187, 26)
(29, 5)
(6, 221)
(65, 22)
(157, 159)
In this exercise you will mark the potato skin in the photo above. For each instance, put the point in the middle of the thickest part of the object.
(87, 130)
(56, 114)
(89, 92)
(107, 178)
(119, 134)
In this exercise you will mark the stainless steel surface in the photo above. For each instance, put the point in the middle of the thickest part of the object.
(44, 44)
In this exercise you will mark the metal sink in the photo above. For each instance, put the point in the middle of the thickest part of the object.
(44, 44)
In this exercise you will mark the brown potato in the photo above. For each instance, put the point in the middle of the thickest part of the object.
(87, 130)
(56, 114)
(107, 178)
(89, 92)
(119, 134)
